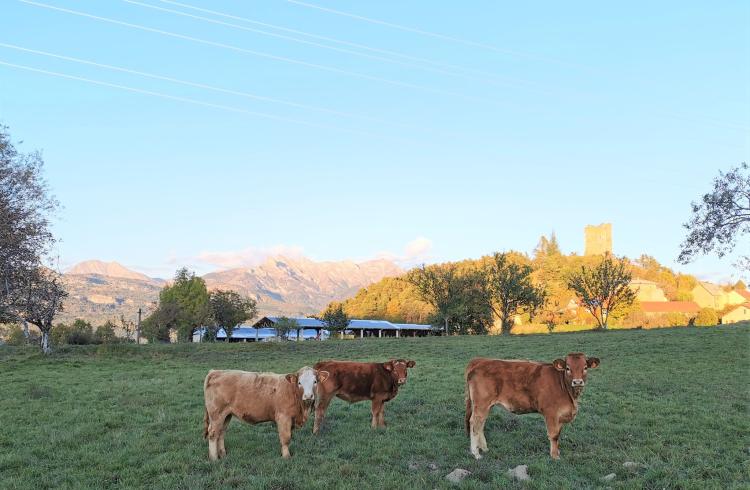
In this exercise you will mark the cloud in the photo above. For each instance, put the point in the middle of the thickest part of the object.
(248, 257)
(417, 251)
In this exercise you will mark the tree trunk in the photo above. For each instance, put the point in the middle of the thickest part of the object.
(446, 327)
(46, 347)
(26, 330)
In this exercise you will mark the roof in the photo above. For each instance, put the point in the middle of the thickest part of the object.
(744, 293)
(713, 289)
(734, 307)
(670, 306)
(374, 324)
(413, 326)
(303, 322)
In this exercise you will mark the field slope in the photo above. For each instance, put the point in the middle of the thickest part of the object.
(675, 400)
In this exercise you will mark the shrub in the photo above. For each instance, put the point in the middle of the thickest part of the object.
(105, 334)
(79, 333)
(707, 317)
(14, 335)
(676, 319)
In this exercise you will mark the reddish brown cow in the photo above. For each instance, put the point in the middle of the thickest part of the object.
(359, 381)
(286, 400)
(551, 389)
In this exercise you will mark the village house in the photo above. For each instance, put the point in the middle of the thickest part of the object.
(709, 295)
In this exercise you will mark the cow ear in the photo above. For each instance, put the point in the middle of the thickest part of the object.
(292, 378)
(559, 364)
(592, 362)
(388, 366)
(410, 364)
(322, 376)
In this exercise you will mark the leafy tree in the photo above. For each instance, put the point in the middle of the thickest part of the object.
(229, 310)
(547, 246)
(28, 291)
(471, 312)
(707, 317)
(439, 286)
(157, 325)
(105, 334)
(127, 326)
(189, 294)
(284, 325)
(721, 217)
(604, 289)
(511, 290)
(335, 318)
(37, 299)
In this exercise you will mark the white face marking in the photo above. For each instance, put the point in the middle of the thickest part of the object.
(307, 382)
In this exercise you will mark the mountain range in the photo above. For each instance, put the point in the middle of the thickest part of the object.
(100, 291)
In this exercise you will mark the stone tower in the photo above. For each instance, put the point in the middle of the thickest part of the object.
(598, 239)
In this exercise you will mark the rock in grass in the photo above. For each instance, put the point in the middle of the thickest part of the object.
(432, 466)
(632, 466)
(609, 478)
(413, 466)
(520, 473)
(458, 475)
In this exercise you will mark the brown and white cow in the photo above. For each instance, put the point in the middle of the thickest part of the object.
(359, 381)
(286, 400)
(551, 389)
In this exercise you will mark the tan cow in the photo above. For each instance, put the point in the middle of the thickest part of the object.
(551, 389)
(286, 400)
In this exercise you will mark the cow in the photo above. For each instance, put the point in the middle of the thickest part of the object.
(286, 400)
(359, 381)
(551, 389)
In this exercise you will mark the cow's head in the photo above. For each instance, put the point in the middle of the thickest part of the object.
(397, 368)
(306, 380)
(575, 368)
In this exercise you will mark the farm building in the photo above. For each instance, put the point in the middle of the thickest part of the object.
(312, 328)
(646, 290)
(709, 295)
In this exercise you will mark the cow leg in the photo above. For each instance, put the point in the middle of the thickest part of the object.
(215, 433)
(377, 414)
(321, 404)
(476, 429)
(284, 426)
(554, 427)
(221, 448)
(382, 415)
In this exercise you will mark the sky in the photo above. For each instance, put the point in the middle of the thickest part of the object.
(211, 134)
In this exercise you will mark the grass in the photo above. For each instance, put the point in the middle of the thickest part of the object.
(676, 400)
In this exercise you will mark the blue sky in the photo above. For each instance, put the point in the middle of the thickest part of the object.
(456, 129)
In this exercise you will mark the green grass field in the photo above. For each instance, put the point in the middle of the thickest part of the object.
(124, 416)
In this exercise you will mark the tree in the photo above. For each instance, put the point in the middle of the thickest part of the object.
(229, 310)
(28, 291)
(189, 294)
(511, 290)
(720, 218)
(437, 285)
(127, 326)
(707, 317)
(284, 325)
(105, 334)
(471, 312)
(547, 246)
(335, 318)
(603, 289)
(38, 299)
(157, 325)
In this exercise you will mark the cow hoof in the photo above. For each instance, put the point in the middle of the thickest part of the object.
(477, 455)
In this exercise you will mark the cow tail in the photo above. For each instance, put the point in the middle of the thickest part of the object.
(205, 408)
(467, 418)
(205, 423)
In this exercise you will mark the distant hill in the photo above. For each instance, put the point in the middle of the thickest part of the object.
(108, 269)
(99, 291)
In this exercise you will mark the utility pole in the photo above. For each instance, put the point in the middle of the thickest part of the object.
(138, 328)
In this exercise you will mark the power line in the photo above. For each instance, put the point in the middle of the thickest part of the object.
(255, 53)
(180, 99)
(202, 86)
(457, 70)
(423, 32)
